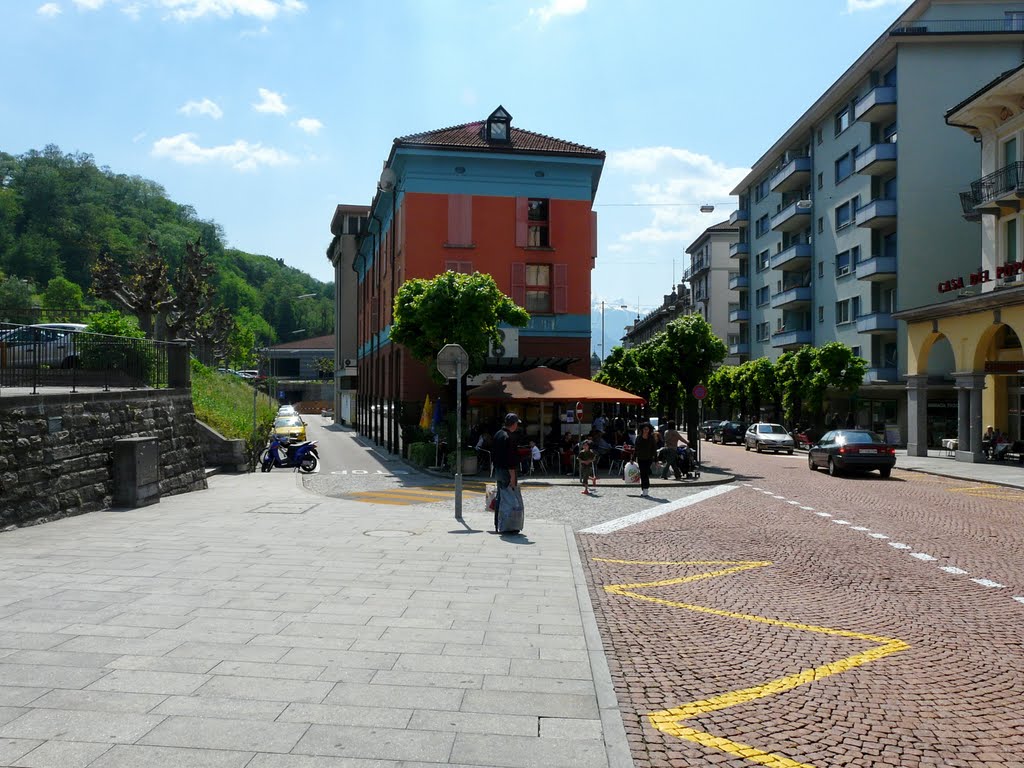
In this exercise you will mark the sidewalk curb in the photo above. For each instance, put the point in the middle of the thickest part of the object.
(933, 473)
(615, 742)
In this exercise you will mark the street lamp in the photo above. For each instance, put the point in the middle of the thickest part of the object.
(620, 306)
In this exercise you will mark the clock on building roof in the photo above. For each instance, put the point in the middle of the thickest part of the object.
(498, 127)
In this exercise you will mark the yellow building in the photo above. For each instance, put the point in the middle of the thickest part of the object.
(980, 328)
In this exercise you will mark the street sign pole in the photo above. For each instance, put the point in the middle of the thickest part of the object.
(699, 392)
(458, 439)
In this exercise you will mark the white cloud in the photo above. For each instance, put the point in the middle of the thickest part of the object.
(90, 5)
(186, 10)
(132, 10)
(262, 31)
(674, 183)
(49, 10)
(558, 8)
(138, 137)
(852, 6)
(310, 125)
(241, 155)
(270, 102)
(204, 107)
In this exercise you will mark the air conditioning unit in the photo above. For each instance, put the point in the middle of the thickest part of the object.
(507, 344)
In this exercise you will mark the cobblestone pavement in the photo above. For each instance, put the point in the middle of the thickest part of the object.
(803, 620)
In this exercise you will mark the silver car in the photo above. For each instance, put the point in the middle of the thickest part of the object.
(764, 436)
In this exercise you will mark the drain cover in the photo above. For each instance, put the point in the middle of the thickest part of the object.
(389, 534)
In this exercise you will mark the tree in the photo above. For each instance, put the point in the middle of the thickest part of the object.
(324, 367)
(835, 369)
(452, 308)
(623, 370)
(685, 354)
(16, 301)
(62, 294)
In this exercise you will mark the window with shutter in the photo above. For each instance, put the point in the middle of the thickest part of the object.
(538, 288)
(522, 218)
(560, 294)
(460, 220)
(464, 267)
(519, 283)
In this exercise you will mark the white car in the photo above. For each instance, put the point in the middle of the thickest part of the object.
(286, 410)
(45, 344)
(765, 436)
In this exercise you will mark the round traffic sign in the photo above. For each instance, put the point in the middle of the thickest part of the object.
(700, 392)
(579, 411)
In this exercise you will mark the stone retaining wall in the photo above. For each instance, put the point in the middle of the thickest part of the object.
(56, 451)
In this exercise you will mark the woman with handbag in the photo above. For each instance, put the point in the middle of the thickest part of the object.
(645, 451)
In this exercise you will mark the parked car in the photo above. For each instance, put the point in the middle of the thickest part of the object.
(286, 410)
(707, 428)
(45, 344)
(765, 436)
(841, 450)
(729, 432)
(292, 427)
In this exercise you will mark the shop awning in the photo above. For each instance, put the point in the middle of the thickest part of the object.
(546, 385)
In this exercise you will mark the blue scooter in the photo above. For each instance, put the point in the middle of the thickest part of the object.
(283, 453)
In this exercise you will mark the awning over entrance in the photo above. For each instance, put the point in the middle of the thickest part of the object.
(546, 385)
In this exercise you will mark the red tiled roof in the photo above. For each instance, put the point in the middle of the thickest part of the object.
(470, 136)
(317, 342)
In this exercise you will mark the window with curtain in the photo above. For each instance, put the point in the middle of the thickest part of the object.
(538, 288)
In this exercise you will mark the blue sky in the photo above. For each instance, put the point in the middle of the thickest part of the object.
(264, 114)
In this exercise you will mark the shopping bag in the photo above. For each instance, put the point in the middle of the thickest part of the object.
(490, 495)
(510, 510)
(631, 474)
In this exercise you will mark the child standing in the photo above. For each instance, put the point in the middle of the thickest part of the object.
(586, 458)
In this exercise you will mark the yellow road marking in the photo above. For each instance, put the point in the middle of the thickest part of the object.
(670, 721)
(427, 494)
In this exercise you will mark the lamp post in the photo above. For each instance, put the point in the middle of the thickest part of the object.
(620, 306)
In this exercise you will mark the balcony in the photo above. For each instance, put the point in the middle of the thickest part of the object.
(882, 374)
(742, 348)
(997, 193)
(739, 315)
(792, 298)
(1007, 25)
(739, 250)
(791, 339)
(877, 106)
(739, 218)
(876, 160)
(876, 322)
(878, 214)
(795, 258)
(796, 174)
(793, 217)
(699, 266)
(739, 282)
(877, 268)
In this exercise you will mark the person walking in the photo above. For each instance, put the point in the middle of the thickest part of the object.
(646, 448)
(505, 457)
(586, 459)
(670, 453)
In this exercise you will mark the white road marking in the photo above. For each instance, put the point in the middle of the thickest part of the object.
(923, 556)
(1019, 598)
(755, 487)
(988, 583)
(897, 545)
(823, 514)
(795, 503)
(878, 536)
(662, 509)
(777, 497)
(809, 509)
(952, 569)
(860, 528)
(841, 522)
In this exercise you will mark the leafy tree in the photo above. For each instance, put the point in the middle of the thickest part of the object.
(452, 308)
(62, 294)
(684, 355)
(16, 301)
(835, 369)
(325, 367)
(623, 370)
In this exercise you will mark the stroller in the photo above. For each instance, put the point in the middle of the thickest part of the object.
(684, 462)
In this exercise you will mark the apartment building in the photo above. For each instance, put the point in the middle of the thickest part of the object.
(651, 323)
(719, 288)
(486, 197)
(983, 325)
(848, 215)
(347, 225)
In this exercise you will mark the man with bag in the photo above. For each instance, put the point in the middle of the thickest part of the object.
(505, 458)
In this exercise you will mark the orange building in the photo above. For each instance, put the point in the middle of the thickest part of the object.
(480, 197)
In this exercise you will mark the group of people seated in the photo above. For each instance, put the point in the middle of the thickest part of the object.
(995, 445)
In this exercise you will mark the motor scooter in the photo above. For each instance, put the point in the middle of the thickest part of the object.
(283, 453)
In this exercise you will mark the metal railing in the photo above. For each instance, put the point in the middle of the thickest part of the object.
(1007, 179)
(33, 357)
(1004, 25)
(34, 315)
